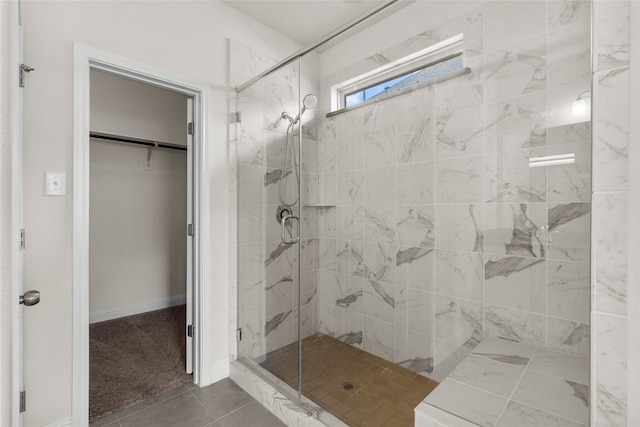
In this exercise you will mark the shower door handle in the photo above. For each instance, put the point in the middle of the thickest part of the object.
(283, 229)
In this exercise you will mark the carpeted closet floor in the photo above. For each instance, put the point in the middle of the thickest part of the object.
(134, 358)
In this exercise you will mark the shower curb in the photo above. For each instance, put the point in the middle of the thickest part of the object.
(277, 403)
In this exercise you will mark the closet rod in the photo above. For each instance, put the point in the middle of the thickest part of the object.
(143, 142)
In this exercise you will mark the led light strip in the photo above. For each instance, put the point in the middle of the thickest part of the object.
(559, 159)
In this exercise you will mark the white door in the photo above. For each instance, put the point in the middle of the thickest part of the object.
(22, 299)
(190, 233)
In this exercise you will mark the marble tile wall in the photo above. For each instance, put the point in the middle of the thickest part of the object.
(441, 232)
(609, 204)
(265, 271)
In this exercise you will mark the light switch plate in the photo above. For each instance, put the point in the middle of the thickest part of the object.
(55, 184)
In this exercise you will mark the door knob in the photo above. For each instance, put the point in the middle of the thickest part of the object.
(30, 298)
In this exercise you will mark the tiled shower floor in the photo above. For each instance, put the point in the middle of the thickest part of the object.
(382, 393)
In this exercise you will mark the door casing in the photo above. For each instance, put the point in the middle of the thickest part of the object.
(85, 59)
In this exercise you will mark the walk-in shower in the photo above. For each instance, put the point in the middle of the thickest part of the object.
(433, 256)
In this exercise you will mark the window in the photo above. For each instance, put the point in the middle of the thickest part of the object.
(435, 61)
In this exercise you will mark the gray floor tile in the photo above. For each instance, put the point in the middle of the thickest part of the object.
(222, 397)
(183, 410)
(151, 401)
(253, 414)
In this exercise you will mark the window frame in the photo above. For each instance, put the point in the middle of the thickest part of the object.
(432, 55)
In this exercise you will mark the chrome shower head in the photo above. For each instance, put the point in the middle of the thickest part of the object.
(308, 102)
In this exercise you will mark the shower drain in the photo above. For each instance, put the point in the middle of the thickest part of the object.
(348, 386)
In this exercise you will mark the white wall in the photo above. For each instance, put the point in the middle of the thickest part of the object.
(184, 37)
(137, 221)
(137, 217)
(123, 107)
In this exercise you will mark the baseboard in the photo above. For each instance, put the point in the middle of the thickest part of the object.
(219, 371)
(65, 422)
(115, 313)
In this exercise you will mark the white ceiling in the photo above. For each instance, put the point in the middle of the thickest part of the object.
(304, 21)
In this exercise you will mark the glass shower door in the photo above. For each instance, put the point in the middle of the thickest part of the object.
(269, 227)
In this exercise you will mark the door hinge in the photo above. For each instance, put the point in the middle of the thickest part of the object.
(23, 401)
(190, 128)
(239, 334)
(190, 331)
(190, 230)
(22, 239)
(235, 117)
(22, 70)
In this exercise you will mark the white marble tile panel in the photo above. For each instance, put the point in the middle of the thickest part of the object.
(567, 366)
(611, 252)
(565, 12)
(380, 224)
(459, 274)
(470, 403)
(380, 147)
(279, 259)
(460, 227)
(283, 83)
(515, 229)
(250, 263)
(327, 319)
(327, 191)
(250, 224)
(459, 321)
(414, 309)
(569, 290)
(250, 145)
(516, 282)
(349, 257)
(488, 375)
(350, 153)
(563, 397)
(349, 327)
(379, 300)
(380, 262)
(510, 179)
(460, 133)
(378, 337)
(569, 231)
(446, 356)
(612, 38)
(416, 183)
(416, 225)
(350, 190)
(611, 139)
(463, 91)
(350, 123)
(517, 70)
(416, 141)
(327, 156)
(570, 133)
(570, 182)
(380, 186)
(460, 180)
(250, 301)
(350, 223)
(250, 184)
(415, 268)
(610, 361)
(517, 414)
(273, 108)
(505, 351)
(517, 123)
(516, 325)
(567, 335)
(327, 254)
(278, 295)
(349, 292)
(326, 221)
(278, 331)
(569, 50)
(253, 343)
(413, 351)
(511, 22)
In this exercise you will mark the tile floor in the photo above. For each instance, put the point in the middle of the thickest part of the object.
(383, 394)
(222, 404)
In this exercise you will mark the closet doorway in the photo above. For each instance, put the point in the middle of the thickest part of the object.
(140, 244)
